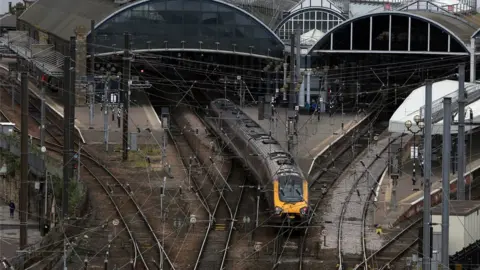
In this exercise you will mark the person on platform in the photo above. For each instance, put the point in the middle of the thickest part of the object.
(314, 106)
(12, 208)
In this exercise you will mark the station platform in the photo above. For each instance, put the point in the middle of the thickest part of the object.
(141, 116)
(10, 233)
(409, 197)
(314, 135)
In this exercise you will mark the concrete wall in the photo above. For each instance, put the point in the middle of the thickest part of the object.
(471, 227)
(10, 190)
(456, 239)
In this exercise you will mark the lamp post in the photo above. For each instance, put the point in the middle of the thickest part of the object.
(43, 150)
(420, 126)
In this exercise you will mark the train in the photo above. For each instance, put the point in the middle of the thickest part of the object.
(279, 178)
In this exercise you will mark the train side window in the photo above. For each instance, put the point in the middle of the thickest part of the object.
(276, 155)
(269, 142)
(284, 162)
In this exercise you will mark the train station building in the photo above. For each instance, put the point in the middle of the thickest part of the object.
(350, 52)
(379, 45)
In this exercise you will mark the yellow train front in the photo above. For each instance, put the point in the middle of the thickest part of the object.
(290, 199)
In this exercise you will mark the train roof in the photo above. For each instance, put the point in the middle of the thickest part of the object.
(265, 144)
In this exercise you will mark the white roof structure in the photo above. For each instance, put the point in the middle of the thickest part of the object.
(414, 104)
(311, 37)
(359, 9)
(314, 3)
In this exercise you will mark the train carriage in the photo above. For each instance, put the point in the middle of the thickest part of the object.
(279, 177)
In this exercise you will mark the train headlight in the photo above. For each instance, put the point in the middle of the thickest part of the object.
(278, 210)
(304, 211)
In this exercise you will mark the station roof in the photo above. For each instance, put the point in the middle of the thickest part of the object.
(315, 3)
(359, 9)
(60, 18)
(463, 29)
(458, 208)
(415, 102)
(8, 20)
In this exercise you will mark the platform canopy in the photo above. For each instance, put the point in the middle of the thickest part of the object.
(414, 104)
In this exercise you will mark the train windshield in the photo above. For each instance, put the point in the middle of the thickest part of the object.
(290, 188)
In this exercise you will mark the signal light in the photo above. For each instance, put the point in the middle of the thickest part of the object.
(141, 71)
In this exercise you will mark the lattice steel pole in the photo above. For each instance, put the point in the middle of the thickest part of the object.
(126, 93)
(428, 174)
(447, 141)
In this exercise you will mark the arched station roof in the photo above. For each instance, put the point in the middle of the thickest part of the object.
(397, 32)
(307, 19)
(210, 25)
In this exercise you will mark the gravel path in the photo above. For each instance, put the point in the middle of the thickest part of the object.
(352, 226)
(338, 196)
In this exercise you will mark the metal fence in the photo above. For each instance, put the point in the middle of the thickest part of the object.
(472, 95)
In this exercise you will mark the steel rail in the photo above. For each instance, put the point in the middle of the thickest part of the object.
(342, 218)
(136, 248)
(234, 213)
(367, 202)
(139, 209)
(389, 243)
(363, 128)
(211, 212)
(207, 234)
(386, 266)
(59, 149)
(232, 222)
(212, 217)
(196, 187)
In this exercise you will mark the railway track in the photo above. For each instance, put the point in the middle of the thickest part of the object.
(34, 109)
(129, 211)
(393, 249)
(404, 239)
(217, 242)
(146, 247)
(329, 167)
(220, 203)
(353, 224)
